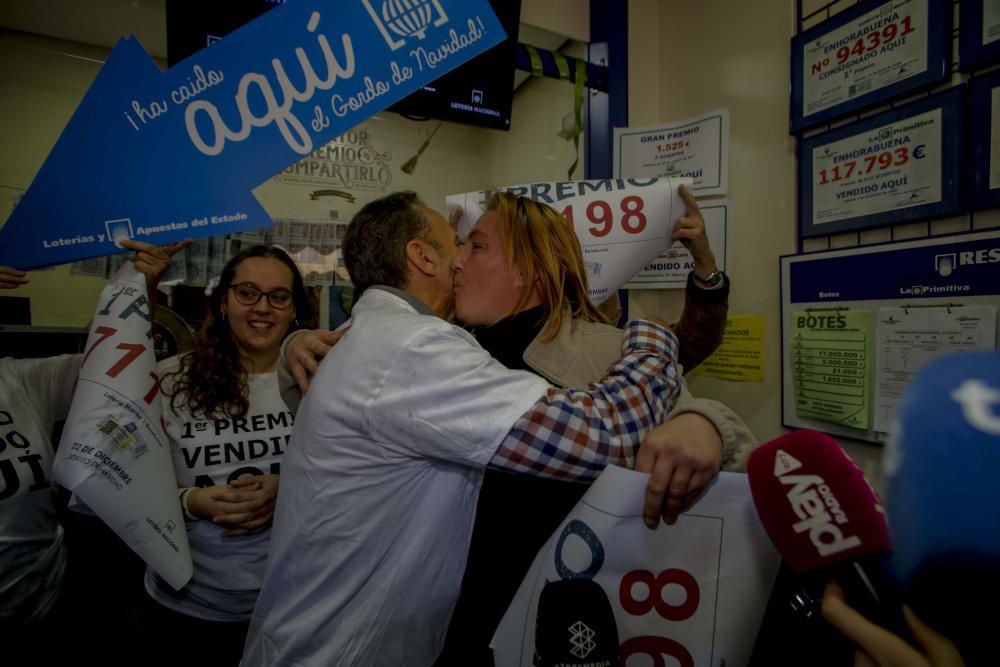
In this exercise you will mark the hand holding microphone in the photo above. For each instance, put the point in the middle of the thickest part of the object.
(878, 646)
(827, 523)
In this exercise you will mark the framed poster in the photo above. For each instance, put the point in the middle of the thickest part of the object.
(867, 55)
(902, 165)
(694, 147)
(979, 37)
(856, 322)
(984, 141)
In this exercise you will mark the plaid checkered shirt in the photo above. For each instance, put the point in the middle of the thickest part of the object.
(576, 433)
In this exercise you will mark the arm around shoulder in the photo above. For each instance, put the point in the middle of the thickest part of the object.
(737, 438)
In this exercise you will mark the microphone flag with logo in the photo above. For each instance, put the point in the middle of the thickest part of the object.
(941, 498)
(827, 522)
(575, 626)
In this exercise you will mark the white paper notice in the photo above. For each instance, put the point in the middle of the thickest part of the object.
(697, 148)
(695, 591)
(875, 50)
(910, 337)
(114, 455)
(995, 138)
(670, 269)
(622, 224)
(991, 21)
(887, 168)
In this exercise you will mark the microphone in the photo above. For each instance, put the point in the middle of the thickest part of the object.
(827, 522)
(944, 512)
(575, 626)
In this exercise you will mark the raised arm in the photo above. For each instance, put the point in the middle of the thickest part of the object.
(706, 305)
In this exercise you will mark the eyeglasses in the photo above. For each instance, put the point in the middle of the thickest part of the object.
(249, 295)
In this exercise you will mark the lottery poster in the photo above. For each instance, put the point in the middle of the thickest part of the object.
(114, 455)
(694, 591)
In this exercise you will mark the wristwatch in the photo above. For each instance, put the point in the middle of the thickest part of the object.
(711, 281)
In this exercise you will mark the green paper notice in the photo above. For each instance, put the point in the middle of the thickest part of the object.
(831, 358)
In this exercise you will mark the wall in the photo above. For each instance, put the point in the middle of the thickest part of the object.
(692, 57)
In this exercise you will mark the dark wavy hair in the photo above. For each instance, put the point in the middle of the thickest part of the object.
(210, 381)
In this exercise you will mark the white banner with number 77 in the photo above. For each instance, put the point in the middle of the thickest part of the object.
(622, 224)
(694, 591)
(114, 455)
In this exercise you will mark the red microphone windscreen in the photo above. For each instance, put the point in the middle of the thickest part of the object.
(814, 501)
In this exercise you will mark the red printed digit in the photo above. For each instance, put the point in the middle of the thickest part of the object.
(842, 54)
(889, 32)
(133, 352)
(907, 26)
(859, 47)
(874, 39)
(151, 394)
(654, 598)
(605, 220)
(104, 333)
(568, 214)
(656, 648)
(850, 168)
(632, 208)
(885, 160)
(902, 156)
(871, 162)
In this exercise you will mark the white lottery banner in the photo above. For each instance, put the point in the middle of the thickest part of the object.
(669, 270)
(622, 224)
(114, 455)
(694, 591)
(877, 49)
(697, 148)
(893, 167)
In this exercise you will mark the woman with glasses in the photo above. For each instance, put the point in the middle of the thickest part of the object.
(229, 428)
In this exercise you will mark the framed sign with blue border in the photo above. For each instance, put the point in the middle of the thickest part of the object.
(903, 165)
(979, 37)
(836, 338)
(867, 55)
(984, 140)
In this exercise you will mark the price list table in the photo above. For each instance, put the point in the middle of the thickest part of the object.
(831, 361)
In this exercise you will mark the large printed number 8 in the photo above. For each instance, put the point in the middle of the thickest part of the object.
(655, 585)
(657, 647)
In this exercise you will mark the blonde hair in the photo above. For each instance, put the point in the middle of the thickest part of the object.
(539, 242)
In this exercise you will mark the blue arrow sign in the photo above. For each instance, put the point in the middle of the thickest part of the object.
(162, 156)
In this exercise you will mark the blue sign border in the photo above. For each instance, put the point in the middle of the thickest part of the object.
(949, 267)
(939, 14)
(982, 283)
(951, 103)
(981, 124)
(972, 53)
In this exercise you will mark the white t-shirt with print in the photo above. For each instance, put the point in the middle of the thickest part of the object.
(228, 571)
(34, 394)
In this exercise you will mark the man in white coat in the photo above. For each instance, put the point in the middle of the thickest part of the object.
(381, 477)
